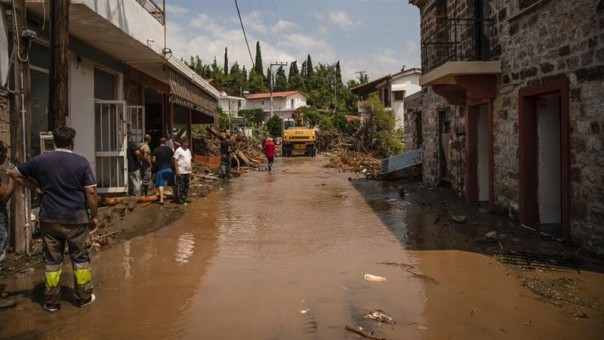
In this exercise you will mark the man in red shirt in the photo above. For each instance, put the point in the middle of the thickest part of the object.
(269, 151)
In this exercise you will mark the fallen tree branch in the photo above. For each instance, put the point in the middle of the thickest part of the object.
(360, 331)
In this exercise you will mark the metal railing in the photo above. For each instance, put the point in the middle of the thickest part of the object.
(458, 40)
(154, 9)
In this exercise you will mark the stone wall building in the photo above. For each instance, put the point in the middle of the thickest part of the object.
(524, 80)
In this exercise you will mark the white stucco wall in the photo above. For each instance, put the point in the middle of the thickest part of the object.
(81, 107)
(410, 84)
(281, 103)
(131, 18)
(231, 105)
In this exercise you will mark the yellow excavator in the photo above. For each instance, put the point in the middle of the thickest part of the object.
(298, 139)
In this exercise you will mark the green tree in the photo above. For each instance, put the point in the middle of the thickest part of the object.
(377, 133)
(254, 116)
(226, 62)
(295, 80)
(216, 72)
(258, 63)
(256, 83)
(280, 80)
(274, 125)
(235, 81)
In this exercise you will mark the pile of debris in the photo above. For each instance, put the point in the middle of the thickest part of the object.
(355, 162)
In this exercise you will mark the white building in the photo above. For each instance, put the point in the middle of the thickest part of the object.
(392, 89)
(284, 103)
(122, 77)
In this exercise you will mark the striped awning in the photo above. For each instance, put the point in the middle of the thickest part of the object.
(185, 93)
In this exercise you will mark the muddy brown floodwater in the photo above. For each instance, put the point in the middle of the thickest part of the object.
(283, 255)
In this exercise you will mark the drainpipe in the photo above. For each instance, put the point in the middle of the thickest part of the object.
(24, 159)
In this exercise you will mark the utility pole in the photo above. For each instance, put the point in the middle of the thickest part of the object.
(273, 81)
(58, 109)
(21, 121)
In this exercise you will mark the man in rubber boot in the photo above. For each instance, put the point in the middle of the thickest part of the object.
(68, 214)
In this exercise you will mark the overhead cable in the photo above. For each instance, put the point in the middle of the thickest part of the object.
(244, 35)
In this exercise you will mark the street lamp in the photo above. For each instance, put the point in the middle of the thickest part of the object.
(272, 80)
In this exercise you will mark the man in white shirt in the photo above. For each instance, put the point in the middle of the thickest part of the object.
(182, 169)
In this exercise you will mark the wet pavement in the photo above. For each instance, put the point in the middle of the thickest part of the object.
(283, 255)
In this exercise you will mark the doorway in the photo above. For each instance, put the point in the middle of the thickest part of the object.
(478, 173)
(544, 158)
(445, 133)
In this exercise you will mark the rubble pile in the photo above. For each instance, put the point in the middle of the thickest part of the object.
(355, 162)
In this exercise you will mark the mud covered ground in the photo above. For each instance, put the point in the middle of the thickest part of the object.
(555, 273)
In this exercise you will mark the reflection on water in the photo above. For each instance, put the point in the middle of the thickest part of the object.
(185, 247)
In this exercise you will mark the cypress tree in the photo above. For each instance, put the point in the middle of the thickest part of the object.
(258, 63)
(226, 62)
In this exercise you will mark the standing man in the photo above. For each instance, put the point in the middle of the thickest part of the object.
(169, 140)
(68, 214)
(146, 168)
(134, 168)
(227, 147)
(183, 168)
(7, 186)
(269, 151)
(162, 158)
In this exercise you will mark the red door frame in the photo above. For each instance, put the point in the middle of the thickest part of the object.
(529, 149)
(472, 150)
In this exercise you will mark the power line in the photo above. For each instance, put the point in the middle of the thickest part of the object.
(244, 35)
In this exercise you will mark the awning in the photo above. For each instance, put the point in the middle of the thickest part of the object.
(185, 93)
(399, 87)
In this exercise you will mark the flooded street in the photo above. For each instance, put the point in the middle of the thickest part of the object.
(283, 255)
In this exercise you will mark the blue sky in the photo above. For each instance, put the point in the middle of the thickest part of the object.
(375, 36)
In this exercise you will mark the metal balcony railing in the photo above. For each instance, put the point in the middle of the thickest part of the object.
(154, 9)
(458, 40)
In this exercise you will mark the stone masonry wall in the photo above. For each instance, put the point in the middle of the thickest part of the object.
(554, 39)
(413, 115)
(4, 117)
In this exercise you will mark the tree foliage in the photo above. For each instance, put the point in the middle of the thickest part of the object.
(330, 99)
(274, 126)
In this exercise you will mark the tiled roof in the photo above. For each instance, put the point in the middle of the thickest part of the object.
(275, 95)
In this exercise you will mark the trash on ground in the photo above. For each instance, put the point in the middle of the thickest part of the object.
(379, 315)
(459, 219)
(374, 278)
(491, 236)
(360, 331)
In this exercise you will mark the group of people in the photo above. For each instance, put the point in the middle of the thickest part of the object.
(172, 167)
(66, 186)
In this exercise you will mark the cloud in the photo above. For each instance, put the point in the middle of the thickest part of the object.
(174, 9)
(341, 20)
(284, 26)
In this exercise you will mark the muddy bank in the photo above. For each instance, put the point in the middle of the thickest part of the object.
(123, 221)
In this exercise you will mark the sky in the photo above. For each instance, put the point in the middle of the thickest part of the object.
(378, 37)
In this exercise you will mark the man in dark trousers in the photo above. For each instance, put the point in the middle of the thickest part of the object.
(227, 147)
(183, 168)
(269, 151)
(134, 167)
(68, 214)
(162, 158)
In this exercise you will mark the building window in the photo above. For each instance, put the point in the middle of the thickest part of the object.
(398, 95)
(292, 103)
(105, 85)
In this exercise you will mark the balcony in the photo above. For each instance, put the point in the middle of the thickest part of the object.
(459, 54)
(153, 8)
